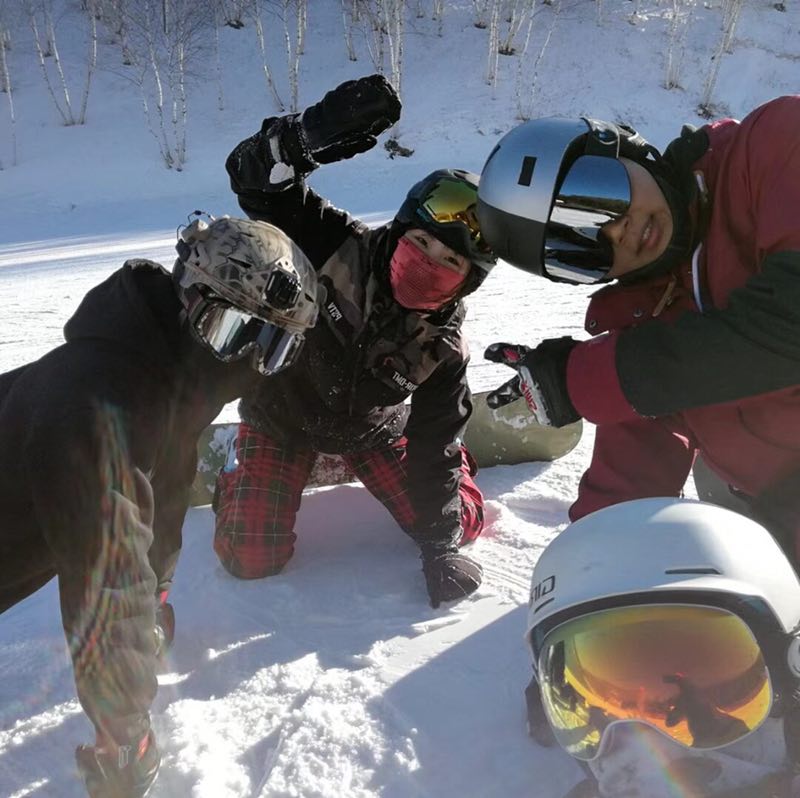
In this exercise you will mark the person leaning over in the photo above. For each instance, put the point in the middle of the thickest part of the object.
(697, 340)
(98, 451)
(390, 329)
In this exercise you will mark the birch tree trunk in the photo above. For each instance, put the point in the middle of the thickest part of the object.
(729, 20)
(494, 44)
(218, 64)
(481, 13)
(438, 15)
(393, 21)
(292, 48)
(682, 14)
(47, 47)
(262, 46)
(347, 27)
(42, 52)
(92, 59)
(6, 88)
(517, 15)
(165, 40)
(526, 108)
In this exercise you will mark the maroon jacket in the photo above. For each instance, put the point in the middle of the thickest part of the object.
(662, 379)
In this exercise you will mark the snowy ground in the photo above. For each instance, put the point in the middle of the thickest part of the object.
(334, 678)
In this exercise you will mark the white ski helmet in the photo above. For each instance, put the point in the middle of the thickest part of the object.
(607, 590)
(683, 549)
(246, 286)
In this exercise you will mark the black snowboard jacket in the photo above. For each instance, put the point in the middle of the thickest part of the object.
(367, 354)
(129, 389)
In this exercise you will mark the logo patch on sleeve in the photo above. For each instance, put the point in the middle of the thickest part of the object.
(404, 382)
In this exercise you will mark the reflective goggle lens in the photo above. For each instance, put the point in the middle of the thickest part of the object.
(454, 201)
(594, 192)
(694, 673)
(277, 349)
(232, 333)
(228, 331)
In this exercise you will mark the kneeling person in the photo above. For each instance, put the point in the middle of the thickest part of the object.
(390, 329)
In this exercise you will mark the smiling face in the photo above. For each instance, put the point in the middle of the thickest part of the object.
(437, 251)
(643, 233)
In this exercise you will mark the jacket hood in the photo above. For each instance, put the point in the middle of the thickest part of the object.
(136, 309)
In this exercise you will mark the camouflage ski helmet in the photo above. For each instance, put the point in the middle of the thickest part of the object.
(246, 285)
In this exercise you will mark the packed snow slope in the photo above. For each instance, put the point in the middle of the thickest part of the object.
(334, 678)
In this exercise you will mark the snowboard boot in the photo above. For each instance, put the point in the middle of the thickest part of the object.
(126, 771)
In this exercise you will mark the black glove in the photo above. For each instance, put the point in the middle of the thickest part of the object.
(124, 772)
(541, 379)
(348, 118)
(449, 575)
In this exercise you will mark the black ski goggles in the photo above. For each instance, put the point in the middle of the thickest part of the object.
(449, 210)
(232, 333)
(595, 190)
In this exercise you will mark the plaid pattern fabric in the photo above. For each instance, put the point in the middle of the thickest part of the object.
(256, 504)
(383, 474)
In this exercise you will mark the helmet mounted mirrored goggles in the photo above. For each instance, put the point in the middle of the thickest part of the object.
(232, 333)
(595, 190)
(448, 210)
(694, 673)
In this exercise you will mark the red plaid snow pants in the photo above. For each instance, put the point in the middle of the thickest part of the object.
(256, 504)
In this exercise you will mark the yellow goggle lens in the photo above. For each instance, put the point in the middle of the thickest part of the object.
(693, 673)
(454, 201)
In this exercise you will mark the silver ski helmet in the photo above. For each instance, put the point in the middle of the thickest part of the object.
(549, 186)
(707, 597)
(444, 204)
(246, 288)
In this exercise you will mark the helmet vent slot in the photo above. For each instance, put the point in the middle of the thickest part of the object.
(700, 570)
(526, 172)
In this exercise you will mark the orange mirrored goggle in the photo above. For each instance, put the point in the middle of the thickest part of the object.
(694, 673)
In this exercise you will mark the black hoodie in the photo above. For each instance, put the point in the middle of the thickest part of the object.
(129, 389)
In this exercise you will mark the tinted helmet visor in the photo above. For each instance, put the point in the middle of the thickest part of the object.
(595, 190)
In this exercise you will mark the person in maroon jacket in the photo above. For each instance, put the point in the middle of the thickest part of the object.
(697, 340)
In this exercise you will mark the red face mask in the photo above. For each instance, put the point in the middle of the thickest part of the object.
(419, 282)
